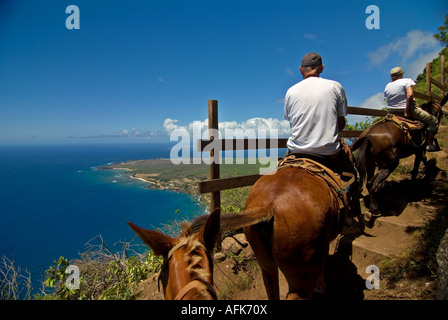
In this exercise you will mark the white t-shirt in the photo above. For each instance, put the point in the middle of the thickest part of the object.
(312, 107)
(395, 94)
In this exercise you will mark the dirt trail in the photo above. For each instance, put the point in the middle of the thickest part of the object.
(405, 207)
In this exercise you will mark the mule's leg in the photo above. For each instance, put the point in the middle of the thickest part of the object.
(371, 166)
(436, 143)
(321, 286)
(303, 279)
(304, 270)
(380, 176)
(260, 242)
(370, 176)
(419, 157)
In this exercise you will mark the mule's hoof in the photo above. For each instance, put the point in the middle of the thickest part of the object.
(367, 217)
(293, 296)
(319, 290)
(432, 148)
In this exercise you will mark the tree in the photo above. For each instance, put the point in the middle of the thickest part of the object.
(442, 35)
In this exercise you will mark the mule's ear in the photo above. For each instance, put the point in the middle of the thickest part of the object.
(158, 242)
(210, 231)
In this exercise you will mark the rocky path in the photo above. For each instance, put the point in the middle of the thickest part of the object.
(406, 207)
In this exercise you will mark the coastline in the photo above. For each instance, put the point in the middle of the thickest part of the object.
(158, 175)
(162, 174)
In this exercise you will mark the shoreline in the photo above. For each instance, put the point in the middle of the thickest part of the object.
(162, 174)
(153, 173)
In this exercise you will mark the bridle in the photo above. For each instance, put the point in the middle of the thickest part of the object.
(194, 284)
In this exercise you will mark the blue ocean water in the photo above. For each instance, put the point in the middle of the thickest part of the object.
(53, 200)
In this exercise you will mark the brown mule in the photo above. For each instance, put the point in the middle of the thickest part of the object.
(289, 220)
(187, 271)
(383, 145)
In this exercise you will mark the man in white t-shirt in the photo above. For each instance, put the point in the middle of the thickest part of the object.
(316, 110)
(399, 94)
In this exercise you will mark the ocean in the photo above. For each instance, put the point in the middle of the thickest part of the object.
(53, 200)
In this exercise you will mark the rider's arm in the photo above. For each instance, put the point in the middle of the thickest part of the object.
(341, 123)
(409, 100)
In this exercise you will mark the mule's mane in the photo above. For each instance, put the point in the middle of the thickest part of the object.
(194, 258)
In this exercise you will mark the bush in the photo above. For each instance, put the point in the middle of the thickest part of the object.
(14, 283)
(105, 275)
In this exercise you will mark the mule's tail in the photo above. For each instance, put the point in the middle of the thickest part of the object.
(233, 221)
(363, 145)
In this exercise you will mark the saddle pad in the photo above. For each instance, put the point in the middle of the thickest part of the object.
(406, 123)
(337, 185)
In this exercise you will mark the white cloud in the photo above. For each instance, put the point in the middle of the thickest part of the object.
(170, 124)
(282, 126)
(312, 37)
(406, 50)
(414, 68)
(133, 133)
(374, 102)
(290, 72)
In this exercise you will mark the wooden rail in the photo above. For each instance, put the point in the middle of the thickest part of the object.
(441, 84)
(215, 184)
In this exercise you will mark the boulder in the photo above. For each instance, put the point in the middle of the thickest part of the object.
(229, 245)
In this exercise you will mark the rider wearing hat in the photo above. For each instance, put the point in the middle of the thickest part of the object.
(399, 94)
(315, 109)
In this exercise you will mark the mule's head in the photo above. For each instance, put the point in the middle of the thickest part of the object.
(187, 271)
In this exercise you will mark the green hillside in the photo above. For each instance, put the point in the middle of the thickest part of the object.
(435, 73)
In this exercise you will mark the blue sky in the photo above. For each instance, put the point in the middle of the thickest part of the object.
(136, 69)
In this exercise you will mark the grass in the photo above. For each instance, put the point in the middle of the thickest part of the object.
(246, 269)
(419, 262)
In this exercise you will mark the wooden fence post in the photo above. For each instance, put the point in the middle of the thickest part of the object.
(442, 73)
(428, 80)
(215, 197)
(215, 184)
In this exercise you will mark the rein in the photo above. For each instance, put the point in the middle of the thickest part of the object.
(194, 284)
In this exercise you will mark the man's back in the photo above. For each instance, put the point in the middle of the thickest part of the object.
(395, 93)
(312, 107)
